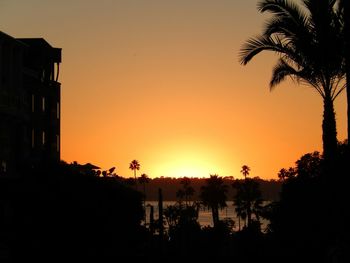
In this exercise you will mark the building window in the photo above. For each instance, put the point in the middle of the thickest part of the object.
(58, 110)
(43, 138)
(33, 103)
(33, 138)
(43, 104)
(57, 143)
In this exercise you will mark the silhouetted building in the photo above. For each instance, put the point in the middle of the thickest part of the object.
(29, 103)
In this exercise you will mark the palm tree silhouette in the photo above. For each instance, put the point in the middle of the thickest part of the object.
(345, 8)
(308, 40)
(134, 165)
(245, 171)
(248, 199)
(213, 195)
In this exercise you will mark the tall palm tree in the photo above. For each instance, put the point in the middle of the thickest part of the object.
(213, 195)
(307, 38)
(134, 165)
(245, 171)
(345, 12)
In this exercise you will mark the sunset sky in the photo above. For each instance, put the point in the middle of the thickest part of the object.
(159, 81)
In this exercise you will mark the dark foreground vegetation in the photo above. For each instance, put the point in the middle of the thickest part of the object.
(64, 213)
(71, 212)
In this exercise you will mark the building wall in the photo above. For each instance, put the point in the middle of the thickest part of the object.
(29, 104)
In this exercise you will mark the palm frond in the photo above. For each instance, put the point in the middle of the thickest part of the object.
(284, 8)
(338, 85)
(254, 46)
(288, 28)
(283, 69)
(280, 71)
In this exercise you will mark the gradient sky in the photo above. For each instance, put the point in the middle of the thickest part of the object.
(159, 81)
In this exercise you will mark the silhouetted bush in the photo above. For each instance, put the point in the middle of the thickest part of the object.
(310, 222)
(59, 214)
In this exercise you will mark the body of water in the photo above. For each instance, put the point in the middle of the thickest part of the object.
(205, 216)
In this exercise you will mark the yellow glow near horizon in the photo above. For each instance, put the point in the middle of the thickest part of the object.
(187, 165)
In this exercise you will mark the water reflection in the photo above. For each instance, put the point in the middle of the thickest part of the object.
(204, 217)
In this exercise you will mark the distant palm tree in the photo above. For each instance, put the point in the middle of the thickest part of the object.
(134, 165)
(245, 171)
(213, 195)
(307, 38)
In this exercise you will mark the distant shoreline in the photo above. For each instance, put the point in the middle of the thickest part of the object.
(270, 188)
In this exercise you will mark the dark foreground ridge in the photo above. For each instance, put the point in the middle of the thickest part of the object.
(66, 212)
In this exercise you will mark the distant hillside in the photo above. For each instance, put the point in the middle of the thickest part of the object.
(270, 189)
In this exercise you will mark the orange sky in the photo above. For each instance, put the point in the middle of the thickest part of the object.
(159, 81)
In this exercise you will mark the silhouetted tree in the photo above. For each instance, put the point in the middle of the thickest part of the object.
(239, 203)
(308, 40)
(213, 195)
(245, 171)
(285, 174)
(134, 165)
(107, 173)
(248, 199)
(307, 201)
(345, 8)
(65, 211)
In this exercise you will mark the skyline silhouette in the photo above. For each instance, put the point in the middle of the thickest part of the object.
(160, 95)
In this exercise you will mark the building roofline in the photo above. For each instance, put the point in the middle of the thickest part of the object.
(16, 40)
(36, 41)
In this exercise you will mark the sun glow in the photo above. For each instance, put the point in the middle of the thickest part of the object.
(190, 162)
(184, 169)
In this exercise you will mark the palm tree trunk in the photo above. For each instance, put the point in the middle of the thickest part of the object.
(348, 91)
(346, 4)
(329, 130)
(249, 215)
(214, 214)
